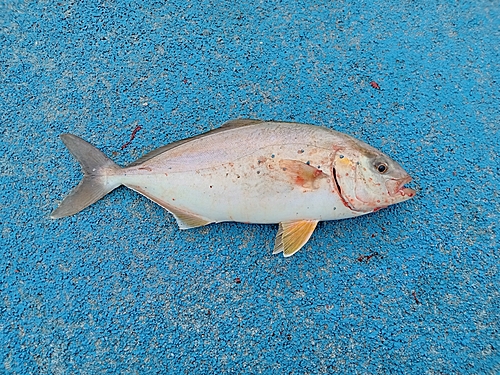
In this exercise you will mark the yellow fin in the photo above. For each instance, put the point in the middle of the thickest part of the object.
(292, 235)
(302, 174)
(185, 219)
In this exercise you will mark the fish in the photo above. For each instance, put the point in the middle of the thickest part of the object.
(250, 171)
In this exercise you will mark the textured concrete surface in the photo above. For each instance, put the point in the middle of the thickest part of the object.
(119, 289)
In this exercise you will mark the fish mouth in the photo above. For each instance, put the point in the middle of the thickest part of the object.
(396, 187)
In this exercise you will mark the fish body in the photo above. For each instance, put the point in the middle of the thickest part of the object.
(251, 171)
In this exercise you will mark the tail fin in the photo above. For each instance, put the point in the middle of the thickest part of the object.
(97, 169)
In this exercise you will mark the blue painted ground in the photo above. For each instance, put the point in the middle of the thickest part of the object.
(118, 289)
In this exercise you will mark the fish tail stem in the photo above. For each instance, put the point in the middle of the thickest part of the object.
(97, 181)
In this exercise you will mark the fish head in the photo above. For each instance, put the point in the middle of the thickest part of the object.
(367, 180)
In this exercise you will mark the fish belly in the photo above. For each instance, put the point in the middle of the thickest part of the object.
(252, 189)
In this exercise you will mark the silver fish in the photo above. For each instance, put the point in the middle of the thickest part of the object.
(250, 171)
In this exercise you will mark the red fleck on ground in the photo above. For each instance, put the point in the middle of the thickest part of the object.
(366, 257)
(375, 85)
(415, 298)
(132, 136)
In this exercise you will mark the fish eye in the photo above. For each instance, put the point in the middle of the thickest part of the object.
(382, 167)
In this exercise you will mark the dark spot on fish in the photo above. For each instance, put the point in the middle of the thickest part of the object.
(261, 160)
(284, 169)
(341, 156)
(272, 156)
(300, 152)
(258, 172)
(308, 162)
(238, 176)
(210, 186)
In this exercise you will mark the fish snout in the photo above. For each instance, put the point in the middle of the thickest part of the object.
(395, 187)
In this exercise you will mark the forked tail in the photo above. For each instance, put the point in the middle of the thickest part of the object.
(97, 181)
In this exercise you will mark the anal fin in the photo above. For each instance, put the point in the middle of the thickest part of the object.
(185, 219)
(292, 235)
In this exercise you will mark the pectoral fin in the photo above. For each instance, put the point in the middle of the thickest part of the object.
(292, 235)
(301, 174)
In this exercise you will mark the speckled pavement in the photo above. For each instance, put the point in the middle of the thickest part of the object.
(118, 289)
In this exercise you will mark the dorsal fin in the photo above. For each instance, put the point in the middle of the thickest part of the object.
(233, 124)
(159, 151)
(238, 123)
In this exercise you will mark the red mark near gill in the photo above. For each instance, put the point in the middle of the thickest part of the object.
(317, 173)
(132, 136)
(299, 181)
(374, 85)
